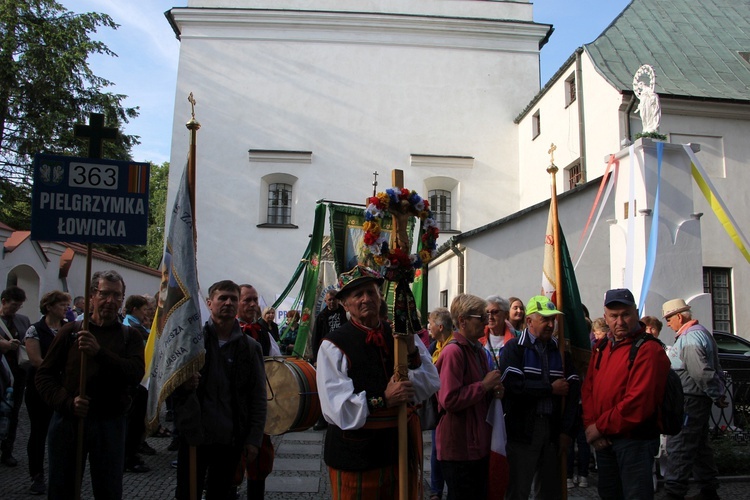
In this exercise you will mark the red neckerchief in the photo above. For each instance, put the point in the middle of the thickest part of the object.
(252, 329)
(374, 335)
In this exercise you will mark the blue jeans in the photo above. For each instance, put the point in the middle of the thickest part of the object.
(103, 442)
(437, 483)
(626, 468)
(584, 455)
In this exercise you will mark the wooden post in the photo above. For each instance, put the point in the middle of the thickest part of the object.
(193, 126)
(401, 370)
(96, 133)
(552, 170)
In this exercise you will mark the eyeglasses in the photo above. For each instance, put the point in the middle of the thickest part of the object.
(494, 312)
(482, 317)
(105, 295)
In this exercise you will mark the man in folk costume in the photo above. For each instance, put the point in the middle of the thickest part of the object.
(359, 396)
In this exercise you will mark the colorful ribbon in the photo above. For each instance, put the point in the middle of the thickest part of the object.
(717, 204)
(653, 238)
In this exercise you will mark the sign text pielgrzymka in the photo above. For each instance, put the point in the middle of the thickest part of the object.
(89, 200)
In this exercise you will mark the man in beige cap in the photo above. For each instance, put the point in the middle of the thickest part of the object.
(695, 358)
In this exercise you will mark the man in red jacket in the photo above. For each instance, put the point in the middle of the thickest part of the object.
(620, 402)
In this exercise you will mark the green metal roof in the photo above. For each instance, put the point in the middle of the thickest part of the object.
(693, 45)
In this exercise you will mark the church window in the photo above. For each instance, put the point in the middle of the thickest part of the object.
(440, 203)
(443, 298)
(718, 282)
(536, 125)
(574, 175)
(570, 90)
(279, 203)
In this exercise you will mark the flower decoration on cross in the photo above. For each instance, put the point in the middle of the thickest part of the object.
(400, 203)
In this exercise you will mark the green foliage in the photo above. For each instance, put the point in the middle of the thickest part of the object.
(46, 85)
(732, 456)
(651, 135)
(157, 213)
(15, 205)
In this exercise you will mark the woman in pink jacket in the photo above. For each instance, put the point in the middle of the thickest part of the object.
(467, 386)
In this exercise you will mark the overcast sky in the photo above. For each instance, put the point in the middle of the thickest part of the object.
(146, 67)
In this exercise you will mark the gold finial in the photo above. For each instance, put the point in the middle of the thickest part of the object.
(193, 123)
(552, 167)
(191, 100)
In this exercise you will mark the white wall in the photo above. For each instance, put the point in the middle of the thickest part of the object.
(363, 93)
(507, 259)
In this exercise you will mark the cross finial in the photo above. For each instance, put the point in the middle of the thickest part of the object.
(551, 152)
(375, 183)
(96, 133)
(191, 100)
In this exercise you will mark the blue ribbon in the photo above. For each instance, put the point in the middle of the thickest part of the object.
(653, 238)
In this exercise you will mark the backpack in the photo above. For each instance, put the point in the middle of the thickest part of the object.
(672, 407)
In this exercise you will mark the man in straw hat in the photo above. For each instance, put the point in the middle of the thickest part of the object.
(620, 401)
(695, 358)
(359, 395)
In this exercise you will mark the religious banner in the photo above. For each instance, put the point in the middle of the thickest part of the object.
(347, 236)
(175, 347)
(310, 282)
(89, 200)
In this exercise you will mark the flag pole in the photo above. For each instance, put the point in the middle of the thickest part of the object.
(401, 371)
(193, 126)
(552, 170)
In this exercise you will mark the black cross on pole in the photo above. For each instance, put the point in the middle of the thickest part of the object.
(96, 133)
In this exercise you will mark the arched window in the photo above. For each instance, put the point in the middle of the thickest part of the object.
(440, 203)
(277, 200)
(279, 203)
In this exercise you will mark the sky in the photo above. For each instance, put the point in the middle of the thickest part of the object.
(146, 67)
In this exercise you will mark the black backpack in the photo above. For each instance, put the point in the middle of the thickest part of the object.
(672, 407)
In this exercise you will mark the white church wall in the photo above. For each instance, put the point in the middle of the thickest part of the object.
(358, 103)
(507, 259)
(601, 110)
(559, 124)
(727, 151)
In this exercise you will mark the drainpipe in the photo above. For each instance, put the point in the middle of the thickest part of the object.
(581, 118)
(460, 255)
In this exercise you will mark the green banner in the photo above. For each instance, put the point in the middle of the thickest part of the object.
(309, 290)
(576, 328)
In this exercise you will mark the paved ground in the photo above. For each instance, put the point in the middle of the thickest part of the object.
(299, 473)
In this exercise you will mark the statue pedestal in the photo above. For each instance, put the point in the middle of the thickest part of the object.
(678, 268)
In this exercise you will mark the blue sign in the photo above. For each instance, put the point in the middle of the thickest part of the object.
(89, 200)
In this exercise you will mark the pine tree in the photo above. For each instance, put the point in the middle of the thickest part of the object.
(46, 85)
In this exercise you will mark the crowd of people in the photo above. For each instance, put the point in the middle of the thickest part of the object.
(507, 399)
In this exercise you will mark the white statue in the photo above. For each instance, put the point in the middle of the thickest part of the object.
(644, 86)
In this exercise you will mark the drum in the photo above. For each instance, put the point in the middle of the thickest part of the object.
(293, 402)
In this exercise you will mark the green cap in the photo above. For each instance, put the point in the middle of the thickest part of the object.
(543, 305)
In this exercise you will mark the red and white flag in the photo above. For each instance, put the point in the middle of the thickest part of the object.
(499, 472)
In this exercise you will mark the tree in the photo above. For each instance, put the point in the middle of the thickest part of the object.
(46, 85)
(157, 213)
